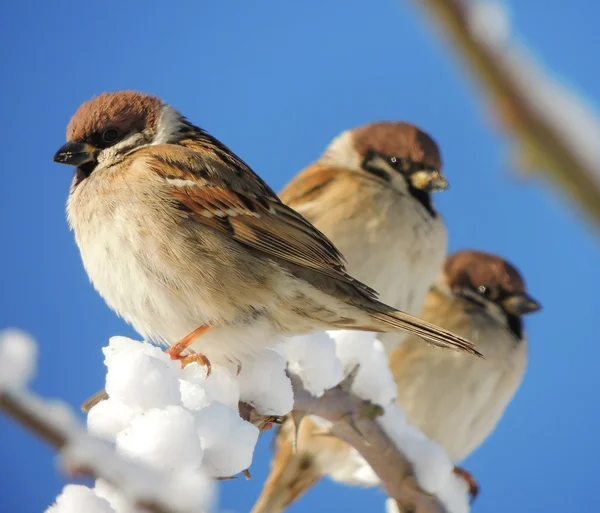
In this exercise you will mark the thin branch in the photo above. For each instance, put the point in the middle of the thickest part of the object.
(543, 146)
(352, 424)
(23, 410)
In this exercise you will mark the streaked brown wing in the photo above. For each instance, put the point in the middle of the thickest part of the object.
(239, 203)
(309, 184)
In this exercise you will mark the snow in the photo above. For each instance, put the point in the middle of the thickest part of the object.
(264, 384)
(18, 353)
(489, 20)
(175, 419)
(165, 432)
(569, 115)
(163, 438)
(374, 382)
(391, 506)
(312, 358)
(78, 498)
(227, 440)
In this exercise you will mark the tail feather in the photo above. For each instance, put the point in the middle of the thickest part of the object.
(440, 337)
(292, 474)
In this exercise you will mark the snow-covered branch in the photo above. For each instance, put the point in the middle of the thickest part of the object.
(161, 434)
(354, 420)
(554, 130)
(343, 377)
(139, 485)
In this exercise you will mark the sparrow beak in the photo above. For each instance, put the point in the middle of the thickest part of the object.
(520, 304)
(75, 154)
(429, 180)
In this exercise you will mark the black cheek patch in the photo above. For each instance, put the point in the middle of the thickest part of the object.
(369, 168)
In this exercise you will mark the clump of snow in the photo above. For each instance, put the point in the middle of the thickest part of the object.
(198, 390)
(79, 498)
(141, 376)
(172, 418)
(264, 383)
(177, 421)
(312, 358)
(18, 353)
(163, 438)
(227, 440)
(180, 491)
(391, 506)
(109, 417)
(373, 380)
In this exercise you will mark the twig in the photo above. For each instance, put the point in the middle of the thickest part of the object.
(366, 435)
(542, 145)
(22, 410)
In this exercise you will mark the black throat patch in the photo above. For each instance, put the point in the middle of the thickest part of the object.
(423, 197)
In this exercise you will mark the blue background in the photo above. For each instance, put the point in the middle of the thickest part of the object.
(276, 81)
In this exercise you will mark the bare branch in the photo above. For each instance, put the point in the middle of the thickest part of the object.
(353, 421)
(542, 142)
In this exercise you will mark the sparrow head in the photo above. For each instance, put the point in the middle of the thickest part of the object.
(111, 125)
(492, 284)
(398, 153)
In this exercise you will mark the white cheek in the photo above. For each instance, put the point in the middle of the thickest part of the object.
(169, 123)
(114, 153)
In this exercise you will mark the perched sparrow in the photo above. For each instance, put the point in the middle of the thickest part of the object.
(370, 193)
(453, 399)
(183, 239)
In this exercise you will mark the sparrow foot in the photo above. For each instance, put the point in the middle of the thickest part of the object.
(198, 358)
(177, 349)
(470, 480)
(268, 421)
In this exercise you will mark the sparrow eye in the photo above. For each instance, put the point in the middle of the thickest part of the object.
(484, 290)
(397, 163)
(110, 135)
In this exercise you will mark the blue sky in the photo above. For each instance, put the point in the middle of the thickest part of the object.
(276, 81)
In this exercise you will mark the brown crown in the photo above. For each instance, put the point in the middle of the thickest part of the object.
(398, 139)
(470, 269)
(126, 110)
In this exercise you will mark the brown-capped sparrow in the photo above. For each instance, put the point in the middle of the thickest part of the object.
(370, 193)
(185, 242)
(453, 399)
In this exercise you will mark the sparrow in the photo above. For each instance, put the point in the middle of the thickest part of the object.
(370, 192)
(454, 400)
(192, 248)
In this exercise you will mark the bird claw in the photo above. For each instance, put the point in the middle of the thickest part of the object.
(267, 422)
(177, 349)
(198, 358)
(471, 482)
